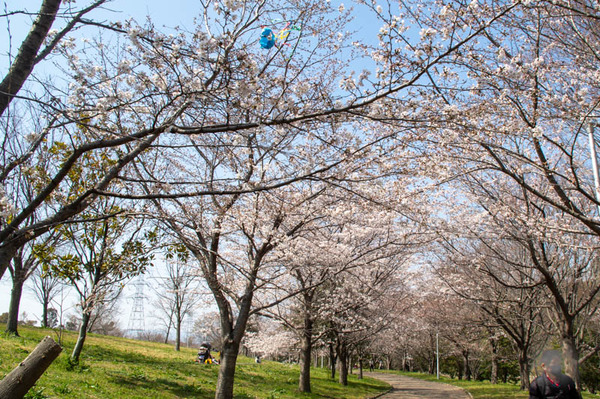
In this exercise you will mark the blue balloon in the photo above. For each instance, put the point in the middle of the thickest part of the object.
(267, 38)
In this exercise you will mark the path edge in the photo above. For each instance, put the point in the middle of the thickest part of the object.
(389, 390)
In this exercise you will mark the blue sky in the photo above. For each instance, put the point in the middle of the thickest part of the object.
(165, 15)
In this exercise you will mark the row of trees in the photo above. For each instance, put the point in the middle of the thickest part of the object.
(301, 189)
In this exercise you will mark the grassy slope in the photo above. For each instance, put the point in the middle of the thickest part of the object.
(122, 368)
(483, 389)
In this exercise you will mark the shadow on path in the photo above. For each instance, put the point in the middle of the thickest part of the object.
(412, 388)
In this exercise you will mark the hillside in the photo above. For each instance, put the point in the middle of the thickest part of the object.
(123, 368)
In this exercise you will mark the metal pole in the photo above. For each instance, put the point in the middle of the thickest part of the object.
(594, 162)
(437, 356)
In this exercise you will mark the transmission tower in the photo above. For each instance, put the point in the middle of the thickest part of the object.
(137, 326)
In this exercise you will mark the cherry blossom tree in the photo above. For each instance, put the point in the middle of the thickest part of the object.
(532, 263)
(177, 294)
(514, 121)
(39, 43)
(117, 98)
(497, 276)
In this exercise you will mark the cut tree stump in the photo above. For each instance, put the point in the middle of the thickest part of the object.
(19, 381)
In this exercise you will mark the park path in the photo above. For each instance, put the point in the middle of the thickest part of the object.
(411, 388)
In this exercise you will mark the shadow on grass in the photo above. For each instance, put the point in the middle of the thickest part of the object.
(180, 390)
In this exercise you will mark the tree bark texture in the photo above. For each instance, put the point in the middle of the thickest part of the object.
(25, 60)
(360, 368)
(19, 381)
(85, 321)
(15, 300)
(494, 360)
(7, 253)
(305, 354)
(342, 353)
(229, 356)
(45, 306)
(571, 357)
(524, 370)
(467, 364)
(178, 335)
(332, 360)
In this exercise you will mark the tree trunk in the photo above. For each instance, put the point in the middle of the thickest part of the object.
(45, 305)
(431, 365)
(571, 358)
(15, 300)
(305, 354)
(524, 369)
(229, 356)
(19, 381)
(460, 367)
(85, 321)
(25, 60)
(343, 377)
(494, 371)
(350, 363)
(7, 254)
(178, 335)
(168, 330)
(467, 365)
(360, 368)
(332, 361)
(343, 363)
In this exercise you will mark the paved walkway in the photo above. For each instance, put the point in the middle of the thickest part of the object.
(411, 388)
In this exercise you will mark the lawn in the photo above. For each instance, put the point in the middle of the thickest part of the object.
(113, 367)
(483, 389)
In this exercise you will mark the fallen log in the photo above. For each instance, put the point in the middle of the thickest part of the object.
(19, 381)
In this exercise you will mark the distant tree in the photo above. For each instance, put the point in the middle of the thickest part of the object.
(51, 320)
(207, 328)
(45, 287)
(177, 294)
(105, 318)
(73, 323)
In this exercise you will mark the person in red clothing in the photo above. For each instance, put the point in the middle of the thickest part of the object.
(553, 384)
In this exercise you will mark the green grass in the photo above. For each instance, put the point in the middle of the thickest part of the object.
(483, 389)
(122, 368)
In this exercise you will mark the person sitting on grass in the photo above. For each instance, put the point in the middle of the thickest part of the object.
(552, 384)
(204, 355)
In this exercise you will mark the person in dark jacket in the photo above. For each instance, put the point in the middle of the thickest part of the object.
(553, 384)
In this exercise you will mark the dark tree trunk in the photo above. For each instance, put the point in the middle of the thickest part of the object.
(19, 381)
(524, 369)
(332, 361)
(342, 354)
(169, 327)
(468, 373)
(45, 305)
(229, 355)
(494, 360)
(83, 329)
(305, 354)
(7, 254)
(460, 367)
(360, 368)
(571, 358)
(178, 335)
(15, 300)
(25, 60)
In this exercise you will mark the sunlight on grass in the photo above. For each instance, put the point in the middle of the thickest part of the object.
(113, 367)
